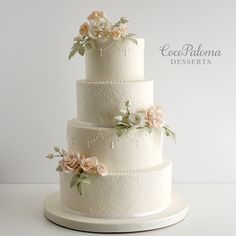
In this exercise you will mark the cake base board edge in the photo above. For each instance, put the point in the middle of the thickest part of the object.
(54, 212)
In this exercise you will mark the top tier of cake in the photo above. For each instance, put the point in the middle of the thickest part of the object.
(115, 60)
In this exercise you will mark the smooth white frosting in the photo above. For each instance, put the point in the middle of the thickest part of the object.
(115, 60)
(99, 102)
(137, 150)
(122, 195)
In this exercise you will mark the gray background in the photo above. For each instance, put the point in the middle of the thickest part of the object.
(38, 83)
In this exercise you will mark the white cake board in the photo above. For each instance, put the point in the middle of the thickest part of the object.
(55, 212)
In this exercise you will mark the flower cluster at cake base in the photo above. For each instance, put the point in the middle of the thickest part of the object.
(149, 119)
(99, 28)
(78, 164)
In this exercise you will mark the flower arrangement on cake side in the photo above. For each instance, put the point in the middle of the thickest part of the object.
(80, 165)
(100, 28)
(149, 119)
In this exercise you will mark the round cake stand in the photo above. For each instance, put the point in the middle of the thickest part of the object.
(56, 213)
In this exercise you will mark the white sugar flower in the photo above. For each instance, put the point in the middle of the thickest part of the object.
(137, 119)
(123, 111)
(103, 26)
(118, 118)
(100, 30)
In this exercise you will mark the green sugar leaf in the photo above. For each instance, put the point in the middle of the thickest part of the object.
(169, 133)
(81, 50)
(80, 188)
(73, 51)
(59, 168)
(119, 132)
(74, 180)
(132, 40)
(123, 20)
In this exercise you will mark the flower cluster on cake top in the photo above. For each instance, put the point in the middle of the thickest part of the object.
(149, 118)
(78, 164)
(99, 28)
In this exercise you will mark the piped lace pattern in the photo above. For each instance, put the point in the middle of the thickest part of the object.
(100, 136)
(98, 103)
(152, 187)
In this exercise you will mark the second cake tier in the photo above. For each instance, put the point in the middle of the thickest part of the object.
(134, 151)
(99, 102)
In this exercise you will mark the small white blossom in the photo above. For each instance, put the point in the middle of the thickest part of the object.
(118, 118)
(123, 111)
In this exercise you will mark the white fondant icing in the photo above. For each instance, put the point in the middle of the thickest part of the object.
(139, 180)
(112, 61)
(136, 150)
(99, 102)
(120, 195)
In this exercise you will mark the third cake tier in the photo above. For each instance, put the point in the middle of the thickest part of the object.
(134, 151)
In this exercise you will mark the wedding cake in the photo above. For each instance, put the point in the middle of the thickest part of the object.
(114, 168)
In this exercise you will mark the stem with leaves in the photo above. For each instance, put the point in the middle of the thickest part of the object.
(78, 180)
(168, 132)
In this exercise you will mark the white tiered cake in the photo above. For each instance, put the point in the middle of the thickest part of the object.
(136, 168)
(135, 180)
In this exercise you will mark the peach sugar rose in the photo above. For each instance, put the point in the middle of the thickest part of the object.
(70, 162)
(84, 29)
(96, 15)
(116, 34)
(89, 164)
(101, 169)
(154, 117)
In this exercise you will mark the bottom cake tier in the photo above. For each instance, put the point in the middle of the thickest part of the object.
(120, 194)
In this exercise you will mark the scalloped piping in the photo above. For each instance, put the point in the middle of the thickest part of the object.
(99, 136)
(124, 51)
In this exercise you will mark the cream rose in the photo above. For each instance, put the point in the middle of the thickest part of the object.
(116, 34)
(70, 162)
(137, 119)
(99, 30)
(96, 15)
(154, 117)
(101, 169)
(84, 29)
(89, 164)
(103, 26)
